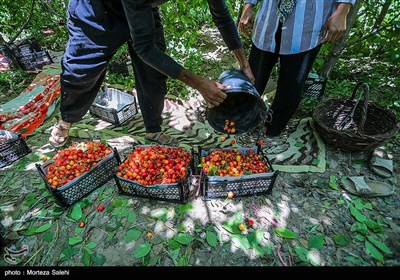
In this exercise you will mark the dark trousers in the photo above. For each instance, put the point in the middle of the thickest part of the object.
(293, 73)
(96, 31)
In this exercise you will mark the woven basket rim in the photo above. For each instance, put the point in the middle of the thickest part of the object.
(333, 103)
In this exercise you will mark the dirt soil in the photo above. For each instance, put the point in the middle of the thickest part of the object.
(307, 220)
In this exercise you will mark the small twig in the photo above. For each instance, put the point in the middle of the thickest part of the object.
(51, 245)
(258, 210)
(279, 255)
(37, 252)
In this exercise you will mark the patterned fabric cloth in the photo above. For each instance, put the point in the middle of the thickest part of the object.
(301, 30)
(285, 8)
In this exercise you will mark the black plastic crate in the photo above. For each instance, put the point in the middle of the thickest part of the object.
(177, 193)
(114, 106)
(314, 86)
(27, 54)
(13, 149)
(86, 183)
(246, 185)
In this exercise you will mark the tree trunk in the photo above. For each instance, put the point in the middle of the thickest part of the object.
(338, 47)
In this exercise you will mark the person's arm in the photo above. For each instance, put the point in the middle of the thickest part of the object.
(141, 24)
(247, 18)
(229, 32)
(335, 27)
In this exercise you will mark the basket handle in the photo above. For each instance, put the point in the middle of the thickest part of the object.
(365, 94)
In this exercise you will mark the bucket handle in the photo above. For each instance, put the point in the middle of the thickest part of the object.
(364, 109)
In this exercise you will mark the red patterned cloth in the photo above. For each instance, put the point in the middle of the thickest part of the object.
(27, 111)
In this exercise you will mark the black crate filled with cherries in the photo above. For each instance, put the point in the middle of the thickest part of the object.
(156, 172)
(78, 170)
(12, 148)
(230, 172)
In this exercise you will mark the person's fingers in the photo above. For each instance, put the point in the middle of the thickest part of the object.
(222, 87)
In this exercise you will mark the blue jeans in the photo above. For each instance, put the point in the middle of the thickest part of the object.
(97, 29)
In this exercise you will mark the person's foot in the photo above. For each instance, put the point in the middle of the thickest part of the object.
(162, 138)
(59, 134)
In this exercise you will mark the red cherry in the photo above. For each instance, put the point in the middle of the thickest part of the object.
(250, 222)
(100, 208)
(82, 224)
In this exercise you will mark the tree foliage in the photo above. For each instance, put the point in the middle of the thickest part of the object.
(371, 52)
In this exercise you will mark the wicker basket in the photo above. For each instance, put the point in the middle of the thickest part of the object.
(354, 125)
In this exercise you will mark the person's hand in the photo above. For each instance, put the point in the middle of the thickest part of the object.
(335, 27)
(212, 92)
(246, 20)
(249, 74)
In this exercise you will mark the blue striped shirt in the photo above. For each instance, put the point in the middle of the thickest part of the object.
(301, 31)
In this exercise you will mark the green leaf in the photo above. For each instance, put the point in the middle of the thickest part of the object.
(239, 217)
(232, 227)
(380, 245)
(75, 240)
(132, 235)
(373, 251)
(173, 244)
(298, 144)
(67, 253)
(182, 261)
(358, 204)
(48, 236)
(132, 217)
(91, 245)
(30, 199)
(368, 206)
(76, 212)
(117, 203)
(99, 259)
(142, 250)
(184, 238)
(174, 254)
(356, 214)
(268, 249)
(258, 249)
(316, 242)
(341, 240)
(212, 171)
(79, 230)
(56, 211)
(359, 227)
(212, 238)
(181, 228)
(241, 241)
(312, 228)
(359, 237)
(340, 201)
(161, 214)
(315, 162)
(34, 230)
(355, 260)
(184, 208)
(85, 258)
(286, 233)
(375, 227)
(301, 253)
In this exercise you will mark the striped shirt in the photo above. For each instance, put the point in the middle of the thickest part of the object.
(301, 31)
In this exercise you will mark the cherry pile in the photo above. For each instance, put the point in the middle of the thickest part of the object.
(232, 163)
(153, 165)
(74, 161)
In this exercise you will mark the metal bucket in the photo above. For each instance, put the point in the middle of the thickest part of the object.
(243, 105)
